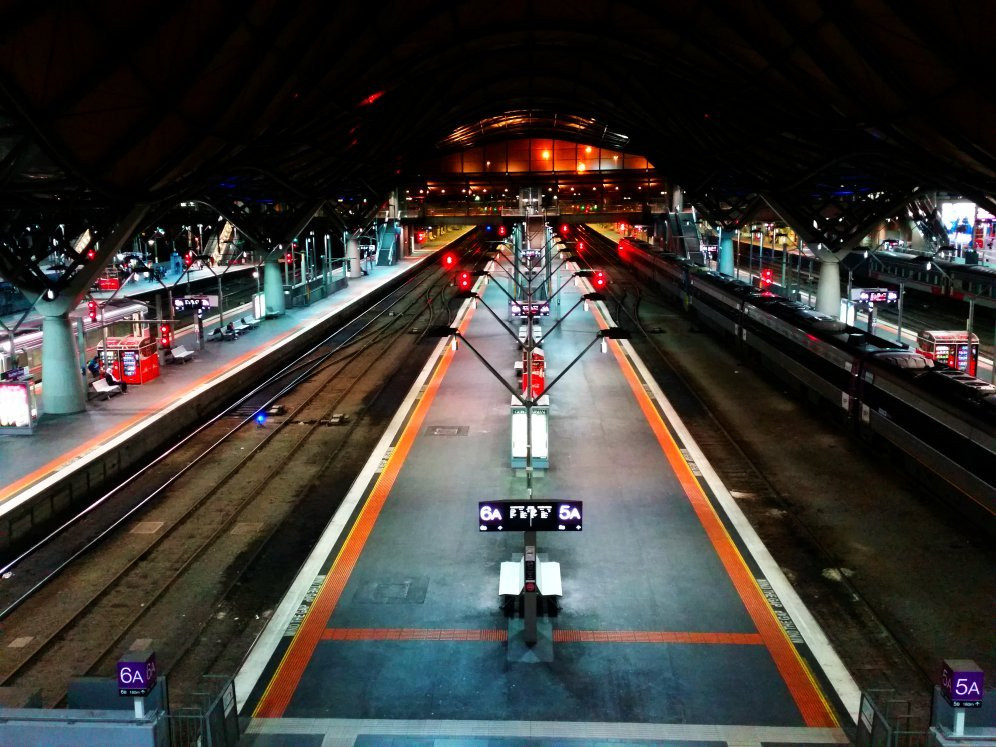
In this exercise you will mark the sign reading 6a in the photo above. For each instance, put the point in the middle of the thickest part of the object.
(137, 675)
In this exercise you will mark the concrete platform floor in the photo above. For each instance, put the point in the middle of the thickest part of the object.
(663, 623)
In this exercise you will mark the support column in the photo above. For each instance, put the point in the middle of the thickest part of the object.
(353, 258)
(677, 199)
(62, 385)
(828, 289)
(273, 287)
(726, 254)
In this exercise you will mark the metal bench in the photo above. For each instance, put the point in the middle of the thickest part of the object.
(180, 354)
(100, 386)
(221, 334)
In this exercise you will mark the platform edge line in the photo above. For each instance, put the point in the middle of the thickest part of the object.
(266, 645)
(830, 662)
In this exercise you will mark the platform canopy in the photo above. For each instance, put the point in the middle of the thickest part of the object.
(111, 103)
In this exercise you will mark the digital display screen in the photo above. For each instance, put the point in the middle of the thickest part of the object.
(878, 295)
(538, 308)
(191, 302)
(529, 516)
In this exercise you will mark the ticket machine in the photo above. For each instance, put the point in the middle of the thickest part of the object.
(132, 359)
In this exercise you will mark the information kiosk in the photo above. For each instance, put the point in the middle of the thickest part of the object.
(132, 359)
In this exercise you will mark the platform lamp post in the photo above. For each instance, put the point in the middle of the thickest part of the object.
(787, 292)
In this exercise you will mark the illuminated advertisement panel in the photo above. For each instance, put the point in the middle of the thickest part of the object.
(18, 410)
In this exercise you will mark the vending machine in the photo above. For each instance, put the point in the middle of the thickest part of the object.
(955, 349)
(132, 359)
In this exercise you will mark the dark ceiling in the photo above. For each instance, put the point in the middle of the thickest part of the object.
(113, 103)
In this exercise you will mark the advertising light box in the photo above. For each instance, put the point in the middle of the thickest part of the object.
(18, 406)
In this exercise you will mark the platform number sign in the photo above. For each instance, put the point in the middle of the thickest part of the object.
(137, 674)
(962, 683)
(529, 516)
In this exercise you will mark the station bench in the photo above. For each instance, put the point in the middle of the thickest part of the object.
(100, 386)
(180, 354)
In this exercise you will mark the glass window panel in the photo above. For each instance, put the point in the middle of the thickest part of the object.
(495, 153)
(542, 154)
(473, 160)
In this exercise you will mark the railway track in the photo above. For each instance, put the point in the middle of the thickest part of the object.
(152, 561)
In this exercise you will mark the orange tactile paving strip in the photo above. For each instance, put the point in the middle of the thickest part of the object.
(281, 688)
(559, 636)
(413, 634)
(655, 636)
(70, 456)
(808, 697)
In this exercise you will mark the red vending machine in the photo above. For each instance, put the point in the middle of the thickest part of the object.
(133, 360)
(957, 349)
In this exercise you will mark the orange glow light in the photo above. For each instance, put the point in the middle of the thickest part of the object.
(581, 167)
(546, 155)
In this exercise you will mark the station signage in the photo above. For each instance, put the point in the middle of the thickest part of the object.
(529, 516)
(137, 674)
(196, 303)
(962, 683)
(536, 308)
(874, 295)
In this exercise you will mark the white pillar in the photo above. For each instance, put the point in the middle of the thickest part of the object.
(353, 256)
(62, 381)
(828, 289)
(273, 288)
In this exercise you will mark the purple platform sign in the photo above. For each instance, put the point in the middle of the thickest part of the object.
(962, 683)
(137, 674)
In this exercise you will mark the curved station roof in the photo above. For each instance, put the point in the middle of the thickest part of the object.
(107, 104)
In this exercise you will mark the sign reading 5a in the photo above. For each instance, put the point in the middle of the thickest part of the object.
(962, 683)
(529, 516)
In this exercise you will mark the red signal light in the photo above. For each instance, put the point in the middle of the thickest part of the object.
(188, 259)
(165, 336)
(502, 231)
(91, 254)
(419, 236)
(564, 229)
(91, 309)
(599, 279)
(288, 257)
(464, 281)
(767, 277)
(449, 261)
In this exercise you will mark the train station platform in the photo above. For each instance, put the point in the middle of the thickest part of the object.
(60, 445)
(674, 624)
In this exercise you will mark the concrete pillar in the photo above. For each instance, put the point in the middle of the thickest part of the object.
(353, 258)
(726, 254)
(828, 289)
(273, 288)
(677, 199)
(62, 383)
